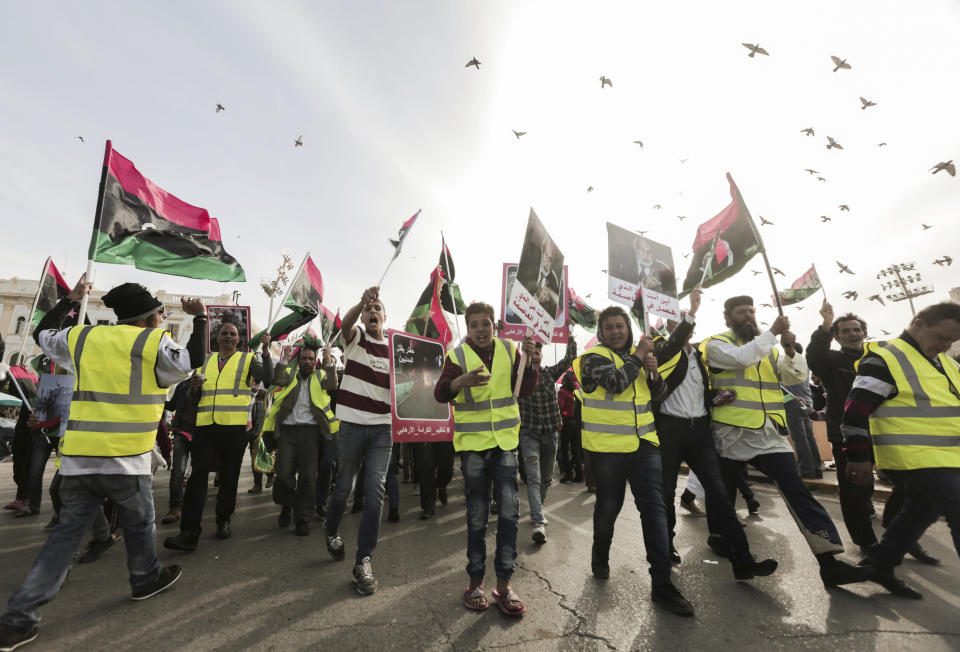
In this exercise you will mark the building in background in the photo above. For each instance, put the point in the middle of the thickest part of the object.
(954, 351)
(16, 300)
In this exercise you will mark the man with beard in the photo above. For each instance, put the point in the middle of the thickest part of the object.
(752, 428)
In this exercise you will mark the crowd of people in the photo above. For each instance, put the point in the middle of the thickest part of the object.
(628, 411)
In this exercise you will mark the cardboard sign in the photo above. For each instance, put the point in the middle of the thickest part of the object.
(218, 315)
(54, 394)
(415, 366)
(536, 295)
(636, 263)
(513, 326)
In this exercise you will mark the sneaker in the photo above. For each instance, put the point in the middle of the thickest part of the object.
(539, 533)
(302, 528)
(286, 516)
(182, 541)
(15, 505)
(919, 553)
(753, 506)
(669, 597)
(599, 564)
(363, 577)
(94, 549)
(335, 547)
(748, 567)
(168, 576)
(837, 573)
(56, 521)
(12, 637)
(692, 507)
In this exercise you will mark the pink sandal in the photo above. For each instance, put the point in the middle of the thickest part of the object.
(504, 600)
(476, 593)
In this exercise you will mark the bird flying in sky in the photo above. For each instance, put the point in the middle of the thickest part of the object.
(865, 102)
(844, 207)
(946, 260)
(755, 49)
(881, 144)
(473, 62)
(777, 271)
(810, 170)
(220, 108)
(518, 133)
(840, 63)
(945, 165)
(657, 207)
(681, 217)
(926, 226)
(851, 294)
(81, 138)
(820, 179)
(755, 272)
(589, 188)
(831, 143)
(638, 142)
(808, 131)
(765, 305)
(299, 141)
(604, 81)
(876, 297)
(825, 219)
(764, 221)
(843, 268)
(642, 233)
(885, 332)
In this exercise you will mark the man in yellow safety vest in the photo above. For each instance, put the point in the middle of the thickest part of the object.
(121, 375)
(905, 402)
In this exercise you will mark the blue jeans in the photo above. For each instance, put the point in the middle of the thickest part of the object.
(82, 496)
(480, 469)
(930, 494)
(801, 432)
(42, 447)
(642, 469)
(371, 445)
(538, 450)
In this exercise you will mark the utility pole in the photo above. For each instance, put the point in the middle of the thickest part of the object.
(904, 283)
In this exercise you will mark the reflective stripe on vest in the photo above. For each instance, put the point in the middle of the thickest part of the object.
(116, 404)
(486, 416)
(318, 396)
(920, 426)
(758, 390)
(670, 365)
(615, 423)
(225, 405)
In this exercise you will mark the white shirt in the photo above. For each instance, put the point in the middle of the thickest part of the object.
(686, 401)
(173, 365)
(793, 371)
(301, 414)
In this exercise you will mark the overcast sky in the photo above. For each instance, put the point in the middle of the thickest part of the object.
(393, 122)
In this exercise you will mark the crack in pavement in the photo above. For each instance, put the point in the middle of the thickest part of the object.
(579, 629)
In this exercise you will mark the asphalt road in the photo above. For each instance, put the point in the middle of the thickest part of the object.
(269, 589)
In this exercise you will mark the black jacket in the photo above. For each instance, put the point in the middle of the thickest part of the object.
(665, 349)
(836, 372)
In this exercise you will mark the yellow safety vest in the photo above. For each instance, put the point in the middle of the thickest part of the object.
(918, 428)
(117, 403)
(318, 395)
(670, 365)
(486, 416)
(615, 423)
(758, 390)
(225, 396)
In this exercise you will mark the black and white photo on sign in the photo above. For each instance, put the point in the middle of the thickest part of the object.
(635, 262)
(239, 316)
(536, 293)
(509, 315)
(417, 364)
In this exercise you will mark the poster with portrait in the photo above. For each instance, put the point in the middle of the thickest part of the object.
(219, 315)
(54, 393)
(637, 262)
(536, 296)
(513, 326)
(415, 366)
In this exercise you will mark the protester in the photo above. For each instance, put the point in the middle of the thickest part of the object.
(22, 448)
(905, 405)
(478, 378)
(303, 424)
(752, 429)
(683, 428)
(223, 386)
(539, 426)
(363, 408)
(109, 441)
(796, 379)
(570, 456)
(619, 382)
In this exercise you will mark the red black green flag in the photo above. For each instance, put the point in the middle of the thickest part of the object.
(580, 312)
(805, 286)
(140, 224)
(427, 319)
(52, 288)
(402, 235)
(305, 301)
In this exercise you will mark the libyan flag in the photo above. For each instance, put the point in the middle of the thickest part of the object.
(140, 224)
(52, 288)
(805, 286)
(580, 312)
(724, 244)
(304, 300)
(428, 319)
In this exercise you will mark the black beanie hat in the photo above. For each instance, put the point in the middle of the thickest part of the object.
(131, 301)
(733, 302)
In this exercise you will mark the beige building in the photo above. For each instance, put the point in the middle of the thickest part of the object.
(16, 300)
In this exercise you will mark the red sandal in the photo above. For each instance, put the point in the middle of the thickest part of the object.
(504, 600)
(475, 593)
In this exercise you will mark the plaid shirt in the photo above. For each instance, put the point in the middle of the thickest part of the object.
(539, 411)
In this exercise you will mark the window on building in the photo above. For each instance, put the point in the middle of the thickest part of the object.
(21, 325)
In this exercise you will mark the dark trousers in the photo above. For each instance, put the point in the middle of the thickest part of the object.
(931, 493)
(896, 499)
(810, 516)
(257, 475)
(569, 458)
(691, 441)
(643, 471)
(855, 503)
(326, 465)
(298, 450)
(209, 443)
(434, 469)
(42, 447)
(22, 453)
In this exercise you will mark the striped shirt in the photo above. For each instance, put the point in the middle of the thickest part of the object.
(364, 394)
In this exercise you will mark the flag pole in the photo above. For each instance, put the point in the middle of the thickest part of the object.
(453, 299)
(33, 310)
(89, 275)
(273, 317)
(814, 266)
(384, 275)
(763, 252)
(709, 263)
